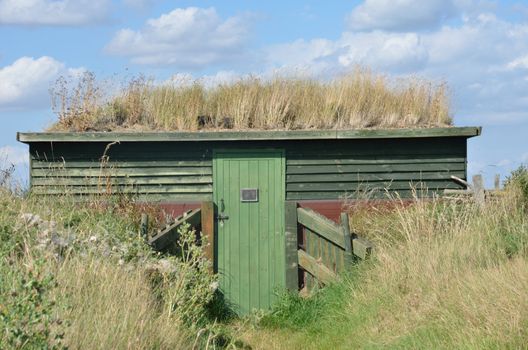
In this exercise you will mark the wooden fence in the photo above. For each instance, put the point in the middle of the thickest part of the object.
(323, 249)
(201, 219)
(317, 248)
(474, 191)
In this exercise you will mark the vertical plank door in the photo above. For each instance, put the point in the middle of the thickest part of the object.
(249, 193)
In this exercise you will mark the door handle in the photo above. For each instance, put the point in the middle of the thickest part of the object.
(222, 216)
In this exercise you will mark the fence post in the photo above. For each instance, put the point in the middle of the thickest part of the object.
(291, 246)
(478, 189)
(348, 237)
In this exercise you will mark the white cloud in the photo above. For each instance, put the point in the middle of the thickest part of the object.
(24, 84)
(386, 51)
(53, 12)
(383, 51)
(139, 4)
(400, 15)
(483, 58)
(14, 166)
(519, 62)
(188, 38)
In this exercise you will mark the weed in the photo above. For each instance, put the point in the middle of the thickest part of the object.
(78, 275)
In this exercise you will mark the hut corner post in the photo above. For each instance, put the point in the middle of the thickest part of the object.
(207, 218)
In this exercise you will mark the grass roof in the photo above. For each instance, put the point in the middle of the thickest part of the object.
(357, 100)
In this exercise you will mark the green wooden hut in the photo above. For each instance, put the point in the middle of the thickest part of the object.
(269, 191)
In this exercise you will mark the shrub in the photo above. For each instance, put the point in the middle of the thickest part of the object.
(27, 316)
(519, 180)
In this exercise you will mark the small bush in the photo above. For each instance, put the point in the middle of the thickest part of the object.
(519, 180)
(27, 316)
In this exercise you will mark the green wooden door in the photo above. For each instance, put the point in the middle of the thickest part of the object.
(249, 190)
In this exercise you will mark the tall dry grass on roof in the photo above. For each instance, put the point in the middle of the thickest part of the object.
(360, 99)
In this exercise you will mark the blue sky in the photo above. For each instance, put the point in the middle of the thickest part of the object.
(480, 48)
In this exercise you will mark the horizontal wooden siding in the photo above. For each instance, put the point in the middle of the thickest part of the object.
(148, 171)
(367, 168)
(315, 169)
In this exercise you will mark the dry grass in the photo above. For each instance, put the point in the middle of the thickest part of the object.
(457, 275)
(360, 99)
(112, 307)
(444, 275)
(79, 276)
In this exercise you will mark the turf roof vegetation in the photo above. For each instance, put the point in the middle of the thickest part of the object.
(358, 100)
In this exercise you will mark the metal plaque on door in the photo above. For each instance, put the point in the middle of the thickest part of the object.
(249, 195)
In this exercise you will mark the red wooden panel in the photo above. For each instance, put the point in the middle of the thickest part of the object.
(176, 209)
(329, 208)
(333, 208)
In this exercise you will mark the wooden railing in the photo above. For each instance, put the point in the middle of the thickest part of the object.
(201, 219)
(323, 248)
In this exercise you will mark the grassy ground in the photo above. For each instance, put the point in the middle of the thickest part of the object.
(360, 99)
(81, 277)
(444, 275)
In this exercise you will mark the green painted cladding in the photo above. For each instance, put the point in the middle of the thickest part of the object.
(182, 171)
(251, 251)
(151, 171)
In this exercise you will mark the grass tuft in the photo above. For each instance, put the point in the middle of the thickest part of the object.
(359, 99)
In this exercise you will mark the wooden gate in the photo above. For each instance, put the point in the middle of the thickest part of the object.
(321, 247)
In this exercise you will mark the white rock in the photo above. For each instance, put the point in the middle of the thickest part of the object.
(31, 219)
(214, 286)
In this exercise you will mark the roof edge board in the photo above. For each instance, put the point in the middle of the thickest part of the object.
(246, 135)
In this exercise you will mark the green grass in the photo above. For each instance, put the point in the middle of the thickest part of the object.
(444, 275)
(80, 276)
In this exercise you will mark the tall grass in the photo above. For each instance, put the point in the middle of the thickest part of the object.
(444, 275)
(80, 276)
(360, 99)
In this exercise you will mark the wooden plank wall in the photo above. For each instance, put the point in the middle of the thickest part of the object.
(150, 171)
(350, 169)
(315, 170)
